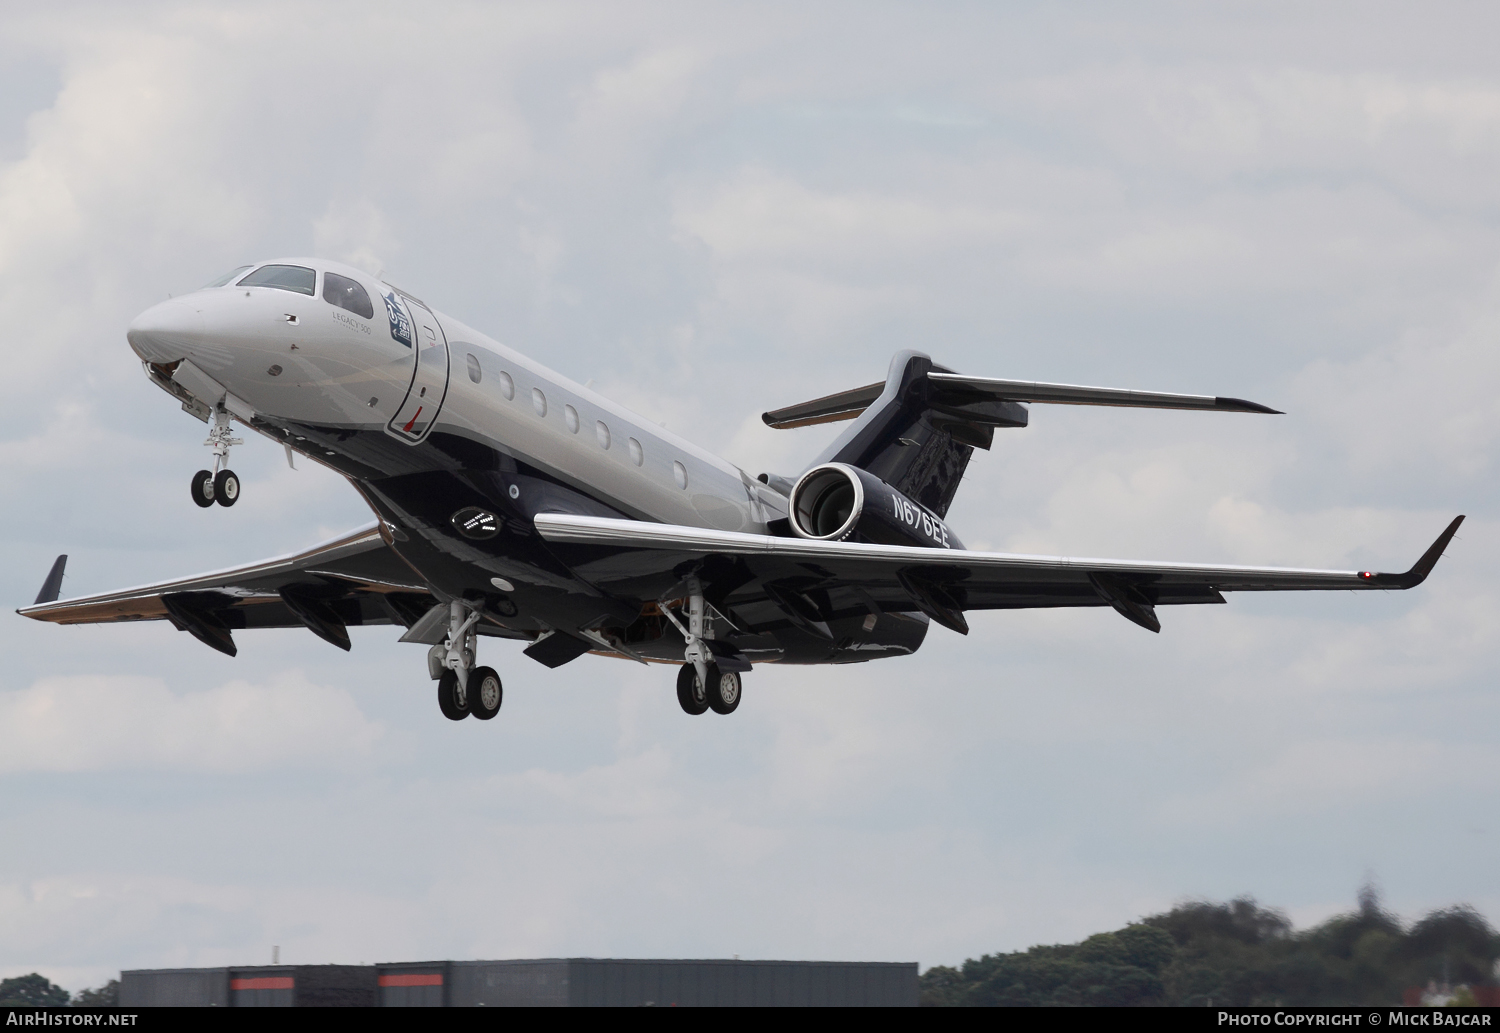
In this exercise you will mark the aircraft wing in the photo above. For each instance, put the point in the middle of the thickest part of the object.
(817, 580)
(353, 579)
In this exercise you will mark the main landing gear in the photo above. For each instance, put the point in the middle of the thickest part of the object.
(481, 695)
(722, 696)
(463, 689)
(222, 485)
(701, 685)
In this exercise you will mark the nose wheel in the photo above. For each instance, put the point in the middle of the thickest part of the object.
(226, 488)
(221, 485)
(223, 488)
(203, 488)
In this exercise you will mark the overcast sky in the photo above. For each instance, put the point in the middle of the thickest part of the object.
(713, 210)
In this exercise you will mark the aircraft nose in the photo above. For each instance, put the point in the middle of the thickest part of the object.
(165, 332)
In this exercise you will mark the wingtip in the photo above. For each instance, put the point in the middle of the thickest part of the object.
(1420, 569)
(1242, 405)
(52, 587)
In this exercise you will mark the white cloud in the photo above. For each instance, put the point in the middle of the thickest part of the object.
(1321, 776)
(759, 215)
(119, 723)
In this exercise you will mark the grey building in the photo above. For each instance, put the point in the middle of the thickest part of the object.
(554, 982)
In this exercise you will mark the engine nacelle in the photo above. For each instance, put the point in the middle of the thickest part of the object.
(835, 502)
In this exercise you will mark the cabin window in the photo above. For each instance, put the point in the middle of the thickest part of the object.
(679, 472)
(603, 432)
(296, 278)
(539, 401)
(570, 417)
(347, 294)
(507, 385)
(474, 371)
(637, 454)
(222, 280)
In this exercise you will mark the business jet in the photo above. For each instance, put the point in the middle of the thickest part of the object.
(511, 502)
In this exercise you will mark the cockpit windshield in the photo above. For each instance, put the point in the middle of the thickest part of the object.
(297, 278)
(347, 294)
(222, 280)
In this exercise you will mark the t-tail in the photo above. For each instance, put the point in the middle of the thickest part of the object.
(916, 432)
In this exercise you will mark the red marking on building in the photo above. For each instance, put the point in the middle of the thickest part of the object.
(263, 983)
(413, 979)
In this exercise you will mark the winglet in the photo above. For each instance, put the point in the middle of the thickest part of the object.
(1420, 569)
(52, 587)
(1240, 405)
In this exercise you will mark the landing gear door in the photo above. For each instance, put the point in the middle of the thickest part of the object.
(429, 381)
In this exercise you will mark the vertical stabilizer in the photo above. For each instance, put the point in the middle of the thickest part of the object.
(912, 445)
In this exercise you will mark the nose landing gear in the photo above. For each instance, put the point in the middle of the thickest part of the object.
(222, 485)
(203, 488)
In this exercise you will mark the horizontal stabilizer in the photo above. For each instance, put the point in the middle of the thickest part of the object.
(954, 387)
(829, 409)
(953, 390)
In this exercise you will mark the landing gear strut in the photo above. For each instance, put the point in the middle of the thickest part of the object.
(463, 689)
(221, 485)
(700, 684)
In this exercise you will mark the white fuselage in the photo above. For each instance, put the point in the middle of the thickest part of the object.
(300, 359)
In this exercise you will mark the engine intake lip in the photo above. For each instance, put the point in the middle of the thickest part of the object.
(826, 503)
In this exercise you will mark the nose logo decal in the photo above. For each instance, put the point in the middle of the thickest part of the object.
(400, 324)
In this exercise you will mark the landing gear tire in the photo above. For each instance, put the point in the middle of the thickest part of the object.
(723, 690)
(453, 704)
(690, 694)
(203, 488)
(226, 488)
(485, 693)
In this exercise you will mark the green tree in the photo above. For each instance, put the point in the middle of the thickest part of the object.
(941, 987)
(106, 996)
(1454, 944)
(1233, 953)
(1146, 947)
(32, 991)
